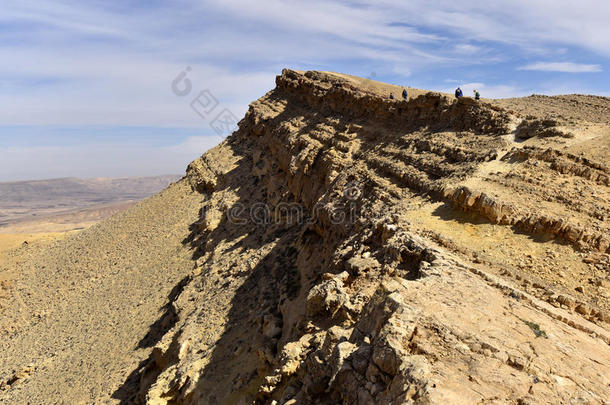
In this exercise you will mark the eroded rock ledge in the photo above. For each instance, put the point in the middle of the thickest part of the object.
(431, 110)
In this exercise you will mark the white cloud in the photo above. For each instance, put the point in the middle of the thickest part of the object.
(109, 89)
(565, 67)
(118, 73)
(467, 49)
(530, 24)
(101, 160)
(111, 63)
(366, 25)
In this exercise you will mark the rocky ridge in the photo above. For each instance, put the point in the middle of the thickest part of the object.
(341, 247)
(336, 295)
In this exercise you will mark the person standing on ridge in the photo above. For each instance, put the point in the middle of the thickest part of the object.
(405, 94)
(458, 93)
(477, 96)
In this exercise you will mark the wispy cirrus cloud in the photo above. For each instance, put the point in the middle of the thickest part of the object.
(564, 67)
(532, 25)
(104, 62)
(111, 158)
(80, 63)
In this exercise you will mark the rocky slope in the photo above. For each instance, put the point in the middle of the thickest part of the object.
(349, 248)
(78, 315)
(317, 228)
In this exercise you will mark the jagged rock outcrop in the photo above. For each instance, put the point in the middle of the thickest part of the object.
(431, 110)
(326, 274)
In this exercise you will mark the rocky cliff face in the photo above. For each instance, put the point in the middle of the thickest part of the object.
(362, 250)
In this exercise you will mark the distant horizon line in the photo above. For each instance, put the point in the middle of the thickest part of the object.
(175, 175)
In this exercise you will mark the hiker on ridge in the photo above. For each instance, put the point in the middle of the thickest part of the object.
(405, 94)
(458, 93)
(477, 96)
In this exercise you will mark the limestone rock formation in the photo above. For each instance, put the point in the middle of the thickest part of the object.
(349, 248)
(325, 275)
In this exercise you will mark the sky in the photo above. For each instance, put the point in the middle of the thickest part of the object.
(115, 88)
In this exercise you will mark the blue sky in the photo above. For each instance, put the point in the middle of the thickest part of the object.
(85, 86)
